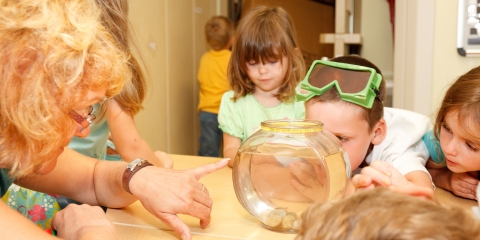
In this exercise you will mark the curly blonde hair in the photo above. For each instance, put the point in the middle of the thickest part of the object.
(264, 34)
(51, 54)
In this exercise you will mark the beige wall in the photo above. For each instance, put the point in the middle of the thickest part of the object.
(377, 39)
(448, 65)
(169, 36)
(426, 59)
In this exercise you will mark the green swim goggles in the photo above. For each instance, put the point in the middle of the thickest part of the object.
(355, 84)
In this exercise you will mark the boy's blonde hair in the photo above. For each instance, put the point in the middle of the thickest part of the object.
(219, 31)
(51, 54)
(381, 213)
(463, 97)
(265, 34)
(372, 115)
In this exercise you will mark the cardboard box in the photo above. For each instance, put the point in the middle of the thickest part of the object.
(311, 18)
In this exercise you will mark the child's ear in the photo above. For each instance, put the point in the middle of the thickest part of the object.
(379, 132)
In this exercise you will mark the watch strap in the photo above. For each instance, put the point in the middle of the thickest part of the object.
(130, 171)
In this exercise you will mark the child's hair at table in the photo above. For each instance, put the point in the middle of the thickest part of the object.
(115, 20)
(265, 34)
(372, 115)
(219, 31)
(381, 213)
(50, 60)
(463, 97)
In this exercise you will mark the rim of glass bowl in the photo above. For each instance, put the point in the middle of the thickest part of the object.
(292, 126)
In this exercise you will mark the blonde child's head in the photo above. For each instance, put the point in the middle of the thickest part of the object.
(383, 214)
(265, 34)
(219, 32)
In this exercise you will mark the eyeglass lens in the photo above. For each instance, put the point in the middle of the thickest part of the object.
(349, 81)
(85, 120)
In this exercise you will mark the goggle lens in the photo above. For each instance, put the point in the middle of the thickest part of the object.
(349, 81)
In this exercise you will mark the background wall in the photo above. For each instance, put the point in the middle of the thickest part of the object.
(426, 59)
(448, 65)
(170, 38)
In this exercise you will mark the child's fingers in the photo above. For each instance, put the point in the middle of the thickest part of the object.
(382, 167)
(361, 181)
(377, 177)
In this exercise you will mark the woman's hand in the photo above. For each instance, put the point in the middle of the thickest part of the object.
(83, 222)
(464, 184)
(166, 192)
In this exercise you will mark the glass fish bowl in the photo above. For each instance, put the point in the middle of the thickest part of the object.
(286, 166)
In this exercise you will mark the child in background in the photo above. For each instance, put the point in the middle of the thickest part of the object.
(454, 142)
(212, 76)
(346, 94)
(265, 67)
(384, 214)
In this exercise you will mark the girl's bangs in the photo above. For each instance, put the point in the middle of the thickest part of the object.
(264, 47)
(469, 120)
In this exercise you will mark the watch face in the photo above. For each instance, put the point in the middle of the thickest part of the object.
(135, 163)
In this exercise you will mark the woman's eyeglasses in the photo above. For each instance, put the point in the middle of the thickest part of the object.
(84, 120)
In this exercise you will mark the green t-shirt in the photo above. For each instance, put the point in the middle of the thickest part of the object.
(242, 118)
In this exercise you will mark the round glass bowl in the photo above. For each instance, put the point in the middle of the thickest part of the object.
(284, 167)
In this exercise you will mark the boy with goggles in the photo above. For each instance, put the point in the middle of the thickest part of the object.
(346, 94)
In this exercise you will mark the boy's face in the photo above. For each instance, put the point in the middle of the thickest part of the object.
(461, 148)
(346, 123)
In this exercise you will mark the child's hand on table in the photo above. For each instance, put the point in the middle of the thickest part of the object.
(380, 173)
(464, 184)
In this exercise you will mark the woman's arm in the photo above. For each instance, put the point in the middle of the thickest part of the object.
(231, 145)
(127, 140)
(84, 179)
(163, 192)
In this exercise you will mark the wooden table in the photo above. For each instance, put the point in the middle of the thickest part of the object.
(229, 219)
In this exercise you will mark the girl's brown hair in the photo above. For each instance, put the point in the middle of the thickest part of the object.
(262, 35)
(115, 19)
(462, 97)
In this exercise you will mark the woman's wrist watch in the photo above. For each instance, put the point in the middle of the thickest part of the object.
(133, 167)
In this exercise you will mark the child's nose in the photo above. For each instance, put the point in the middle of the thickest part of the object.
(451, 148)
(262, 69)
